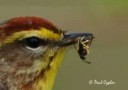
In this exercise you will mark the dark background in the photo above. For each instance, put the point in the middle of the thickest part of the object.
(107, 19)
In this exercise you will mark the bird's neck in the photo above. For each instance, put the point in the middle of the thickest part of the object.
(46, 81)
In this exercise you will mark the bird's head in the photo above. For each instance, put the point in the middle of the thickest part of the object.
(31, 47)
(25, 41)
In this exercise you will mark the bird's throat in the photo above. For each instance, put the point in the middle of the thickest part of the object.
(46, 79)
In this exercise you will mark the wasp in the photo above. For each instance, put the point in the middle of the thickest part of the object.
(81, 41)
(83, 47)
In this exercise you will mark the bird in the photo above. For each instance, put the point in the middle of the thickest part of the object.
(31, 50)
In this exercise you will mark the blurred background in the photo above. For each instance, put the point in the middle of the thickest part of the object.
(106, 19)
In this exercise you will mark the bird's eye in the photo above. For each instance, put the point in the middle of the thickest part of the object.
(34, 42)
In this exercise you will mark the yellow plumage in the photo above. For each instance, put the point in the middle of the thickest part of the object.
(46, 83)
(42, 33)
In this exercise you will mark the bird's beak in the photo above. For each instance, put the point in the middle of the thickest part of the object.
(73, 38)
